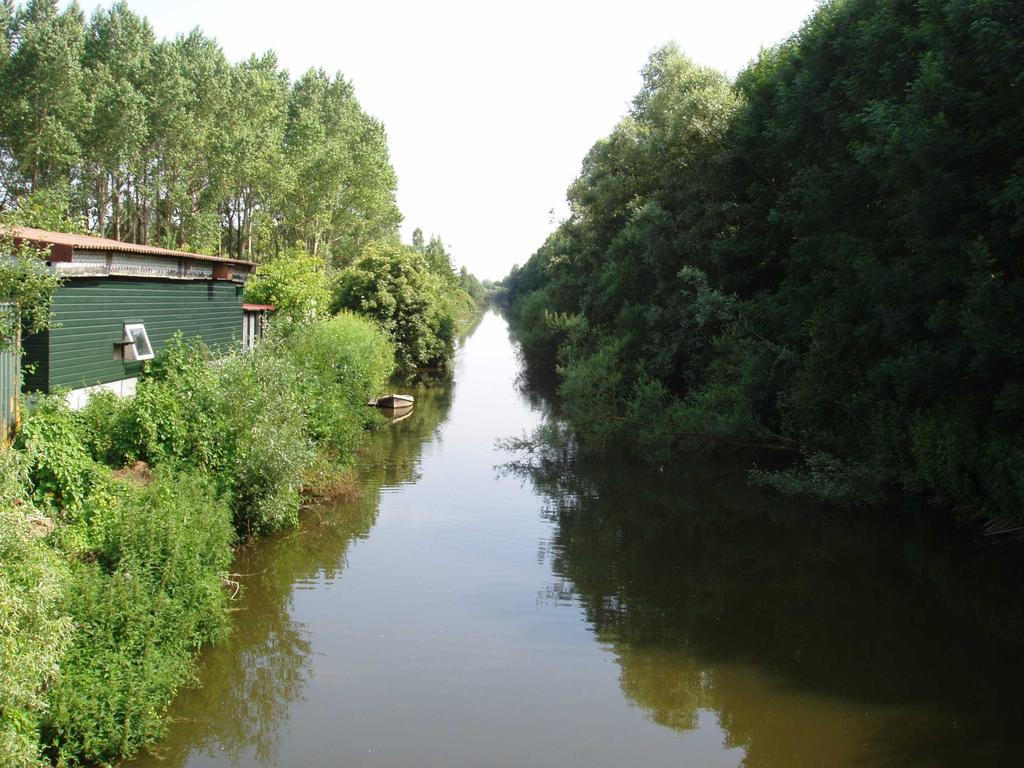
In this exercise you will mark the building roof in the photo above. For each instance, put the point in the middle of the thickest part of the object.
(92, 243)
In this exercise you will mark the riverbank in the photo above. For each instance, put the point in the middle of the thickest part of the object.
(476, 606)
(112, 580)
(797, 257)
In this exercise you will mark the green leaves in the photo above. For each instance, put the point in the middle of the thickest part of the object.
(42, 91)
(166, 143)
(343, 188)
(26, 288)
(33, 629)
(418, 308)
(296, 283)
(825, 253)
(142, 605)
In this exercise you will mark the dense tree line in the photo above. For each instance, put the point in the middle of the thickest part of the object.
(825, 253)
(105, 129)
(167, 143)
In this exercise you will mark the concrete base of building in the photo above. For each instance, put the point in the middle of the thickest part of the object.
(77, 398)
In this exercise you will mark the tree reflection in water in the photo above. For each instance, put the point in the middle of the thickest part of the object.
(248, 683)
(817, 637)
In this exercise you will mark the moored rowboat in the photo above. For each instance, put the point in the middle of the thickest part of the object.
(395, 402)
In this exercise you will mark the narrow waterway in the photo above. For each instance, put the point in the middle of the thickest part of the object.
(477, 607)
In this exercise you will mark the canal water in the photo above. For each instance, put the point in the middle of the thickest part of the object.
(484, 606)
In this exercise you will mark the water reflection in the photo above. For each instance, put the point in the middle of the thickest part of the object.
(250, 682)
(600, 613)
(815, 638)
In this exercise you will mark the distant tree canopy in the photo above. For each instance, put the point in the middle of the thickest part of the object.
(166, 143)
(824, 253)
(414, 293)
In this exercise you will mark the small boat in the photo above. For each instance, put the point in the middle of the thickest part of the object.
(395, 402)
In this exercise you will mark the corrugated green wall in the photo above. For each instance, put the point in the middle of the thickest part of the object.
(10, 385)
(36, 349)
(91, 313)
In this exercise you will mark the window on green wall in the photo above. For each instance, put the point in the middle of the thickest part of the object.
(137, 346)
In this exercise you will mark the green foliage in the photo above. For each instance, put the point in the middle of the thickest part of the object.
(26, 287)
(170, 418)
(592, 390)
(107, 428)
(343, 192)
(150, 596)
(538, 330)
(241, 420)
(123, 580)
(143, 137)
(33, 629)
(63, 472)
(45, 208)
(439, 261)
(343, 363)
(296, 283)
(263, 437)
(394, 285)
(42, 91)
(824, 254)
(256, 420)
(473, 287)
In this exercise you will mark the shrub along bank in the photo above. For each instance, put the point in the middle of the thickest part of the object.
(412, 291)
(109, 584)
(823, 253)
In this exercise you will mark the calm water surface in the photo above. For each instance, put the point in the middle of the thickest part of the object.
(477, 607)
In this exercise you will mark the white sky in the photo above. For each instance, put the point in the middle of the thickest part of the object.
(489, 108)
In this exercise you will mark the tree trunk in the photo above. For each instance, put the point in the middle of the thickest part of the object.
(116, 200)
(238, 209)
(145, 221)
(101, 205)
(248, 226)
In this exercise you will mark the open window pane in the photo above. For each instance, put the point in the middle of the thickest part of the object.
(139, 347)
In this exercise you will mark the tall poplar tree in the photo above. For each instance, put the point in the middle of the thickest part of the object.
(251, 143)
(45, 106)
(117, 66)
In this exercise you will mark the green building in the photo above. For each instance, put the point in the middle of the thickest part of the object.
(122, 302)
(10, 384)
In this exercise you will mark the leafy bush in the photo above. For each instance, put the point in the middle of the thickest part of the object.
(343, 363)
(394, 285)
(256, 419)
(141, 607)
(172, 417)
(33, 629)
(62, 471)
(263, 437)
(107, 429)
(240, 419)
(541, 338)
(296, 283)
